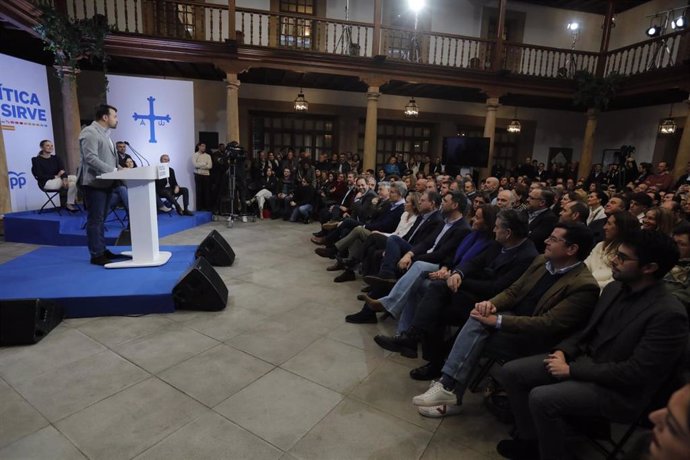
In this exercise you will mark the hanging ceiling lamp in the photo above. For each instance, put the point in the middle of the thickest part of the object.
(668, 126)
(515, 127)
(411, 109)
(301, 104)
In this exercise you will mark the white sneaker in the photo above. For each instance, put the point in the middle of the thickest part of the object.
(444, 410)
(164, 209)
(435, 396)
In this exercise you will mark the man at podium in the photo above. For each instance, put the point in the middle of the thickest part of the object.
(98, 157)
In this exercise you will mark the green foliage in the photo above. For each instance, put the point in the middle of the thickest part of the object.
(72, 40)
(595, 92)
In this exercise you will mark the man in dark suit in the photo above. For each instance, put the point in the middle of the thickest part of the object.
(449, 301)
(540, 216)
(169, 190)
(552, 299)
(632, 344)
(423, 256)
(427, 222)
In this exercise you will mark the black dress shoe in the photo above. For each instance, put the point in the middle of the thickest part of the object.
(518, 449)
(335, 267)
(328, 253)
(100, 260)
(429, 371)
(319, 234)
(364, 316)
(347, 275)
(399, 343)
(187, 212)
(113, 256)
(366, 289)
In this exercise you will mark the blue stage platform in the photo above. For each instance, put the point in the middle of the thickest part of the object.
(65, 275)
(52, 229)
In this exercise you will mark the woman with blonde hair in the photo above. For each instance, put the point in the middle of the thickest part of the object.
(618, 226)
(659, 219)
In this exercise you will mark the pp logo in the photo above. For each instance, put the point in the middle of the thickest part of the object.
(17, 180)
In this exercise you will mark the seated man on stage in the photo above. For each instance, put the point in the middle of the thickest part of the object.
(123, 156)
(168, 189)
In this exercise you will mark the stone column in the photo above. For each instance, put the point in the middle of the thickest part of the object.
(233, 107)
(70, 117)
(588, 144)
(683, 155)
(5, 202)
(369, 160)
(492, 105)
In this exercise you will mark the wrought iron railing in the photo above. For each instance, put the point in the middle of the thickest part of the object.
(197, 20)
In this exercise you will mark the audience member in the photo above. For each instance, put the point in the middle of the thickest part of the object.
(202, 177)
(50, 174)
(618, 227)
(168, 189)
(540, 217)
(631, 346)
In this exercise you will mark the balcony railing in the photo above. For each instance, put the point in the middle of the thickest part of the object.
(657, 53)
(196, 20)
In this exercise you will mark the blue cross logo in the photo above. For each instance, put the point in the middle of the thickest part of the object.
(151, 119)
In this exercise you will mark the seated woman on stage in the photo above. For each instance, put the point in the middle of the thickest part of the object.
(51, 176)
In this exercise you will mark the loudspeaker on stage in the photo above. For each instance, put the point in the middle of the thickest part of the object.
(216, 250)
(200, 288)
(27, 321)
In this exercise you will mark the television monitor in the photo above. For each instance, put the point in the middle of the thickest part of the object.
(460, 152)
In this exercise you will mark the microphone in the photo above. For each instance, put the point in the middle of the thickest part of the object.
(140, 157)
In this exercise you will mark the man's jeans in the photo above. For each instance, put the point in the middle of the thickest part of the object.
(97, 201)
(396, 247)
(407, 289)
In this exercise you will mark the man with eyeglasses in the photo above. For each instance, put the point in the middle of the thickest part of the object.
(540, 217)
(551, 300)
(633, 343)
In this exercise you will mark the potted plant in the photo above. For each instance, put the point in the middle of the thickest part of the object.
(595, 92)
(72, 40)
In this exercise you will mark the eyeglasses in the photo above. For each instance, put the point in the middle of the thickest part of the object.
(553, 239)
(623, 257)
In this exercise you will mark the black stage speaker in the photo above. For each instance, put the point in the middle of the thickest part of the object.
(200, 288)
(27, 321)
(124, 239)
(216, 250)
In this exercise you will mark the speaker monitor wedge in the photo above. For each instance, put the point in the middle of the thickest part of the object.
(200, 288)
(216, 250)
(27, 321)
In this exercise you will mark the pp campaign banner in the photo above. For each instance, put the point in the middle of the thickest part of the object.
(156, 116)
(26, 121)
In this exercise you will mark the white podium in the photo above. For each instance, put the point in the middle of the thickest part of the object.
(143, 216)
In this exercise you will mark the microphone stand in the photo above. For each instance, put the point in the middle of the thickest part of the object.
(140, 157)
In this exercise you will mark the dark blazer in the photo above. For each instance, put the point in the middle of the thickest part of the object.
(446, 247)
(160, 183)
(484, 276)
(541, 227)
(563, 309)
(388, 221)
(597, 228)
(363, 209)
(635, 356)
(426, 228)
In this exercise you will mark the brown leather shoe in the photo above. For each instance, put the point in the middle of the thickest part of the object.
(373, 303)
(330, 225)
(335, 267)
(318, 240)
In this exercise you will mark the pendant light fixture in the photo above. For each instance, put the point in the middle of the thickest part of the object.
(301, 104)
(411, 109)
(668, 126)
(515, 127)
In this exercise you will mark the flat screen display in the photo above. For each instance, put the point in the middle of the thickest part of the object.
(460, 152)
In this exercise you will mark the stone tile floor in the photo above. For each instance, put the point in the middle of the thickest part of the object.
(277, 374)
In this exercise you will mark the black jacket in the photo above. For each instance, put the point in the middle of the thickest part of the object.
(426, 228)
(160, 183)
(541, 227)
(635, 356)
(446, 246)
(485, 276)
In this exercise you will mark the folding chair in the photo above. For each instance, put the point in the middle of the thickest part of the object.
(51, 194)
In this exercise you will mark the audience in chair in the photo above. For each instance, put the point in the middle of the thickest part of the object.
(633, 343)
(551, 300)
(618, 227)
(50, 174)
(169, 190)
